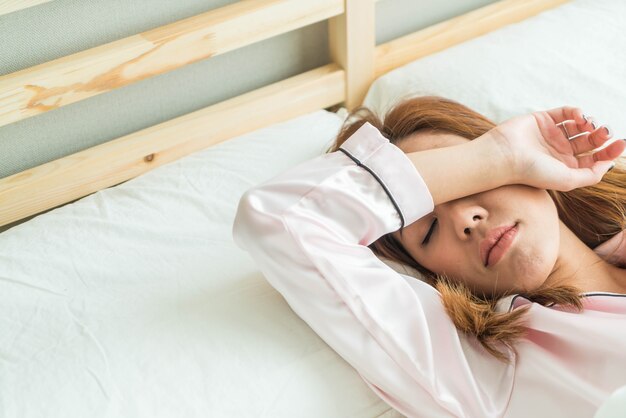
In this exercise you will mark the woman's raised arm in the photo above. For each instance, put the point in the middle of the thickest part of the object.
(462, 170)
(555, 149)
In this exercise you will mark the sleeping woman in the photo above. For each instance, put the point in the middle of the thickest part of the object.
(516, 230)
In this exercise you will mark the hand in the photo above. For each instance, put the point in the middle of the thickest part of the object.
(541, 155)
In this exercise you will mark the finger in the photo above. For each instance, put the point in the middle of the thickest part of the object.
(582, 177)
(577, 126)
(564, 113)
(588, 141)
(571, 129)
(608, 153)
(591, 124)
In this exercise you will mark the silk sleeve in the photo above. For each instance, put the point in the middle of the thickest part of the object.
(308, 230)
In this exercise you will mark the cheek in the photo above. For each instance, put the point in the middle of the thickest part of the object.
(539, 247)
(449, 260)
(543, 225)
(532, 265)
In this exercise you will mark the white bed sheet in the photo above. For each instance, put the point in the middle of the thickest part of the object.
(135, 302)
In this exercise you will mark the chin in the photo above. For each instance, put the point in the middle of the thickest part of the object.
(532, 268)
(531, 287)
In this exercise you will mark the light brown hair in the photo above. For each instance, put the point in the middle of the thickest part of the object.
(578, 209)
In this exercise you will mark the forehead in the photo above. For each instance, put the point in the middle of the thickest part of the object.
(424, 140)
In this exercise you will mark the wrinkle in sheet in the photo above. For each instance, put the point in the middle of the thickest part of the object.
(279, 393)
(97, 343)
(99, 382)
(31, 286)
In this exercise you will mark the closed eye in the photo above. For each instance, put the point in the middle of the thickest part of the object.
(432, 228)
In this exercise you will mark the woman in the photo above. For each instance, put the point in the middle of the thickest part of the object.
(313, 231)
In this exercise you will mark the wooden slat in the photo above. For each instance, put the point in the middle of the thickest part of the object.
(10, 6)
(68, 178)
(443, 35)
(66, 80)
(352, 45)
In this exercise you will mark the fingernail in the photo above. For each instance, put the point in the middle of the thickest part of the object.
(585, 117)
(594, 125)
(608, 131)
(612, 167)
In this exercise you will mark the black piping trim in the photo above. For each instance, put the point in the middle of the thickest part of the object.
(620, 295)
(353, 158)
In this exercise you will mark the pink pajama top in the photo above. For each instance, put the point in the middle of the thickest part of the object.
(308, 230)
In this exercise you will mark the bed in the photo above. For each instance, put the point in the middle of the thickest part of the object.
(123, 294)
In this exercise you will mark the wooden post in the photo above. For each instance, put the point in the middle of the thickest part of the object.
(352, 39)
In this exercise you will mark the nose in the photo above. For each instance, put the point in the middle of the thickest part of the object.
(465, 219)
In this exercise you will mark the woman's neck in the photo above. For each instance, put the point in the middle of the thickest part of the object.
(580, 266)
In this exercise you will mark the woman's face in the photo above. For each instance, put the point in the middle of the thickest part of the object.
(453, 246)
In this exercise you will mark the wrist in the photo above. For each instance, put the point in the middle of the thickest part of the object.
(462, 170)
(492, 148)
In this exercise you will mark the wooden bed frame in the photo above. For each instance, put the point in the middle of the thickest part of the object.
(356, 62)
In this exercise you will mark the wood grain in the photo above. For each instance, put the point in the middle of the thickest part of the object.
(80, 174)
(352, 45)
(76, 77)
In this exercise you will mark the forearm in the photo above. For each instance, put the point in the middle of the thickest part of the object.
(462, 170)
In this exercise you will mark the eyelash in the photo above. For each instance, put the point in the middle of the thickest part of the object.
(432, 228)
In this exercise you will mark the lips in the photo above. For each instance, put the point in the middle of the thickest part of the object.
(493, 235)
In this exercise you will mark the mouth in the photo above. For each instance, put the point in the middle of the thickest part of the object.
(496, 243)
